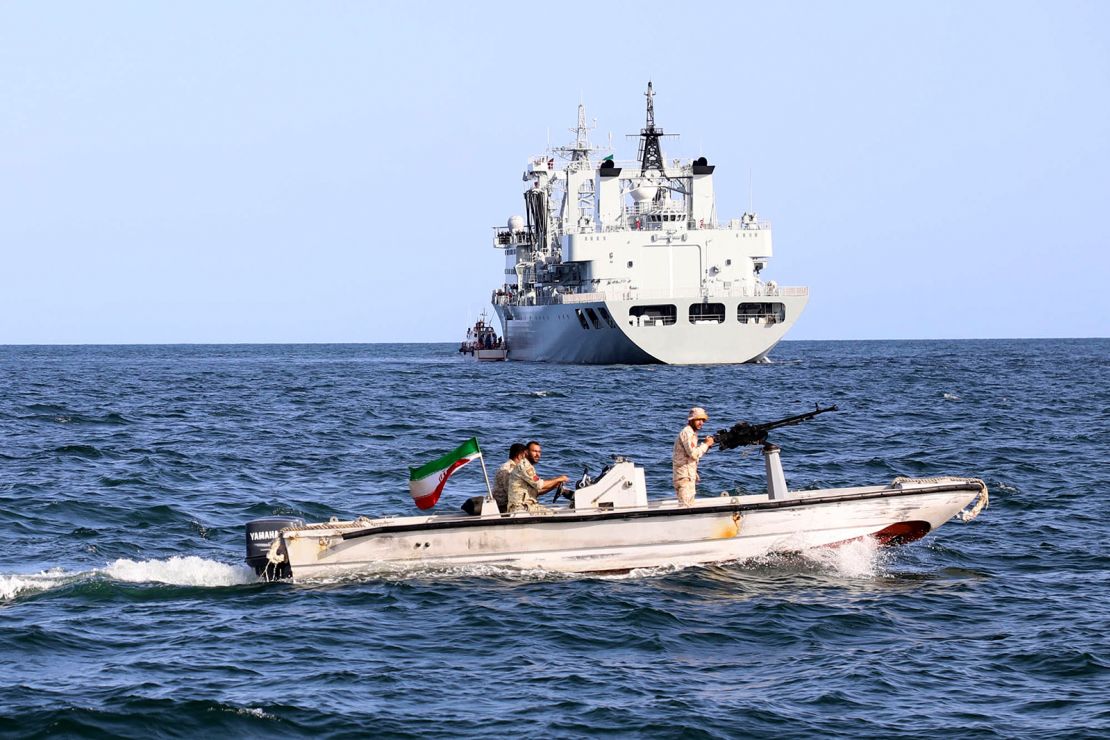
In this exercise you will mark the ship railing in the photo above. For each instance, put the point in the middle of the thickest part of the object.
(749, 222)
(504, 297)
(759, 291)
(636, 219)
(630, 169)
(503, 237)
(581, 297)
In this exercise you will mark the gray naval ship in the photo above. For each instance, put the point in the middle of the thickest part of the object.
(626, 262)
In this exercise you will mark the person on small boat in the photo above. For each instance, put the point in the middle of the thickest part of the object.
(687, 452)
(501, 479)
(525, 485)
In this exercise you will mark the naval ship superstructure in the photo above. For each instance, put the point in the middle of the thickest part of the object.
(626, 262)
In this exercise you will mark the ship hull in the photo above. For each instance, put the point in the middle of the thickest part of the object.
(660, 534)
(566, 333)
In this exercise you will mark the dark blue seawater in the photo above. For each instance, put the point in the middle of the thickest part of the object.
(126, 474)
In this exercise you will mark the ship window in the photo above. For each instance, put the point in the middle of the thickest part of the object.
(605, 315)
(661, 315)
(630, 264)
(761, 313)
(593, 318)
(707, 313)
(581, 318)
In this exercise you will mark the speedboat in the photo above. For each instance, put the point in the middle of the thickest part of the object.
(608, 525)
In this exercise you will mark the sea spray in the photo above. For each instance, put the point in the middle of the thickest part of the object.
(858, 558)
(181, 571)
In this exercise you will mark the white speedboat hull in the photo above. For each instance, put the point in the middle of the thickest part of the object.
(606, 539)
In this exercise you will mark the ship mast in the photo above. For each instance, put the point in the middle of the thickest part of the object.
(650, 156)
(581, 148)
(575, 212)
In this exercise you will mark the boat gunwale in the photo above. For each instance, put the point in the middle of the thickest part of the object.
(640, 513)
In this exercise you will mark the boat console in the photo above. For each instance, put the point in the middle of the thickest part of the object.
(622, 486)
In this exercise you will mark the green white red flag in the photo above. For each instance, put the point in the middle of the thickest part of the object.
(426, 482)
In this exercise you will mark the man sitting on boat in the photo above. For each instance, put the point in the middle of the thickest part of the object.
(501, 479)
(525, 485)
(687, 452)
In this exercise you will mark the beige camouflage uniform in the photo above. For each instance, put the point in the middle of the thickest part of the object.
(524, 484)
(501, 485)
(684, 464)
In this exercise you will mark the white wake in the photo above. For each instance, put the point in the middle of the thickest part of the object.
(180, 571)
(174, 571)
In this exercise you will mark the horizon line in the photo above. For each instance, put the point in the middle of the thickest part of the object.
(451, 342)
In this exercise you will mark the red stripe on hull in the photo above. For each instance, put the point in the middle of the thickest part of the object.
(896, 534)
(902, 532)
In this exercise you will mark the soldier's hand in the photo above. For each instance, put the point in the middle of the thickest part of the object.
(562, 479)
(709, 441)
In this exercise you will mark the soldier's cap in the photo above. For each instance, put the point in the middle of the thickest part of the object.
(697, 413)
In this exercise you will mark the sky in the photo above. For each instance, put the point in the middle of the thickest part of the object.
(330, 171)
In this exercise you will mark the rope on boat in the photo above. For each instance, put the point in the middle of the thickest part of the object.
(984, 499)
(361, 522)
(273, 555)
(981, 502)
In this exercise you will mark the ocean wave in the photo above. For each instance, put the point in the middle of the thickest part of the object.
(22, 585)
(88, 452)
(546, 394)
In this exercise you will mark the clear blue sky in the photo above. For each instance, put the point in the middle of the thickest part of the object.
(329, 172)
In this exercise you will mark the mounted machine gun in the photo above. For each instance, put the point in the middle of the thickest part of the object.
(756, 434)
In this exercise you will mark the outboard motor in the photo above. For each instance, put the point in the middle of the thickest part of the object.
(260, 535)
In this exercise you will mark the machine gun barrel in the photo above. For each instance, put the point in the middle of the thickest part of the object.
(753, 434)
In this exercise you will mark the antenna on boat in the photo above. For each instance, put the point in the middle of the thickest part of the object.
(751, 196)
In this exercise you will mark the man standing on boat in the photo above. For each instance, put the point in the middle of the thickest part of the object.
(501, 479)
(525, 485)
(687, 452)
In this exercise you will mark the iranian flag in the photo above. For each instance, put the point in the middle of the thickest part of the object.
(426, 482)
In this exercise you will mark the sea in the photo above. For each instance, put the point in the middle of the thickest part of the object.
(126, 610)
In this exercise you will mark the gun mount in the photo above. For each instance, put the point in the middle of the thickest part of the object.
(744, 433)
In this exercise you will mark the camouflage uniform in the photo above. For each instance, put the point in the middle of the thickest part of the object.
(501, 485)
(524, 484)
(684, 464)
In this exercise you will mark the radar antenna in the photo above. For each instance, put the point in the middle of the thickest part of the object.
(650, 156)
(581, 148)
